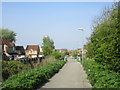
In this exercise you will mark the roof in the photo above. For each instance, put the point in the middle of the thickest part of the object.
(4, 41)
(33, 47)
(12, 44)
(19, 48)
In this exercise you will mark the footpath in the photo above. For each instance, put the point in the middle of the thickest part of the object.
(71, 75)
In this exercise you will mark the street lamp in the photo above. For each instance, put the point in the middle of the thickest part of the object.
(82, 43)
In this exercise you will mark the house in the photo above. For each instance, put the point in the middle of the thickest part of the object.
(32, 51)
(8, 49)
(85, 46)
(20, 52)
(85, 49)
(79, 50)
(61, 50)
(69, 51)
(41, 52)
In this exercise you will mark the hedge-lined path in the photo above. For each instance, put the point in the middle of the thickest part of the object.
(71, 75)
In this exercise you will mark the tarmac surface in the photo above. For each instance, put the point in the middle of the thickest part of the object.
(71, 75)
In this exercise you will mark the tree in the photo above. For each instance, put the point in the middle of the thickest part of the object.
(47, 46)
(56, 54)
(74, 53)
(8, 35)
(105, 40)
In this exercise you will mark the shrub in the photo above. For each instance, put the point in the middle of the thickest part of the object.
(32, 78)
(100, 77)
(10, 68)
(56, 54)
(104, 43)
(74, 53)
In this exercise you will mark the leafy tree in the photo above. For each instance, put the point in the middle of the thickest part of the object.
(74, 53)
(8, 35)
(56, 54)
(59, 55)
(104, 41)
(47, 46)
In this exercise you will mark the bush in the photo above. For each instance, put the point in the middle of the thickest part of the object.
(100, 77)
(74, 53)
(10, 68)
(104, 43)
(33, 78)
(56, 55)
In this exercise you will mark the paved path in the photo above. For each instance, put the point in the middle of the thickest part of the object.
(70, 76)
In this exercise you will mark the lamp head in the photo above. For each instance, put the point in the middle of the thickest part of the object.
(80, 28)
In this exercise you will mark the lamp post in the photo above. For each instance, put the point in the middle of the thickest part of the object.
(82, 44)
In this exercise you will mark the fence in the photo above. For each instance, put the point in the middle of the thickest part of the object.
(29, 61)
(32, 61)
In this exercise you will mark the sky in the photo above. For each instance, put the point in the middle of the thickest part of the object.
(58, 20)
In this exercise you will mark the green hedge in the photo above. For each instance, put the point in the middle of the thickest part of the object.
(10, 68)
(58, 55)
(33, 78)
(104, 43)
(100, 77)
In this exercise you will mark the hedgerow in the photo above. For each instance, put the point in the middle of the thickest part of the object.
(32, 78)
(104, 43)
(10, 68)
(59, 55)
(101, 77)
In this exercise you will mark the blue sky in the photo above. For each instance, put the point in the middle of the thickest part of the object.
(34, 20)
